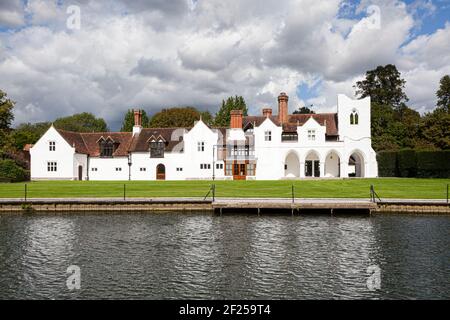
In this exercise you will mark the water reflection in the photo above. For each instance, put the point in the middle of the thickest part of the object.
(162, 256)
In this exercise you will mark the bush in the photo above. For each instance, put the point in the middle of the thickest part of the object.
(387, 164)
(11, 172)
(410, 163)
(433, 164)
(407, 163)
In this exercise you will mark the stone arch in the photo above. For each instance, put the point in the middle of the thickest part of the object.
(292, 165)
(333, 164)
(356, 164)
(312, 164)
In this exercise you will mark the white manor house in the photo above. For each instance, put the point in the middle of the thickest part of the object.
(265, 147)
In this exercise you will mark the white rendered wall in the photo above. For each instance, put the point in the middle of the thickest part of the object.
(106, 168)
(63, 155)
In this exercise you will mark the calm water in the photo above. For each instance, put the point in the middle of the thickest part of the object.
(161, 256)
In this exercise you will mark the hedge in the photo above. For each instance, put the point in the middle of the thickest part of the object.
(11, 172)
(410, 163)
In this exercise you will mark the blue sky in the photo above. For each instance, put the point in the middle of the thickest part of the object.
(154, 54)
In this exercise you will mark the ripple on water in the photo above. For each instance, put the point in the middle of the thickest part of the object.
(198, 256)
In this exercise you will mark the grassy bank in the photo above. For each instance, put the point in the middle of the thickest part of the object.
(346, 188)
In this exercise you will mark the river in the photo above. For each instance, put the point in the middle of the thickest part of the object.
(203, 256)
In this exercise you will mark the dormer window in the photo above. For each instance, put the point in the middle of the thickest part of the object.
(157, 148)
(312, 135)
(354, 117)
(107, 147)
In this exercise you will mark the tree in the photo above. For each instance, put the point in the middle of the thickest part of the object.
(435, 128)
(81, 122)
(6, 118)
(384, 85)
(232, 103)
(179, 117)
(443, 94)
(28, 133)
(304, 110)
(128, 121)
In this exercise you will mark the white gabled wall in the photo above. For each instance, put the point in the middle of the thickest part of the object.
(63, 155)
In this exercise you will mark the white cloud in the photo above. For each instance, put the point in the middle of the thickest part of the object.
(156, 54)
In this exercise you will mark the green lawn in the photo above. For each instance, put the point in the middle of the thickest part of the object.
(345, 188)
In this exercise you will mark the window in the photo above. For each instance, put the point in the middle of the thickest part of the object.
(106, 148)
(312, 135)
(289, 136)
(268, 135)
(157, 149)
(354, 117)
(201, 146)
(179, 169)
(52, 145)
(228, 169)
(142, 169)
(94, 169)
(250, 169)
(219, 165)
(205, 166)
(119, 169)
(52, 166)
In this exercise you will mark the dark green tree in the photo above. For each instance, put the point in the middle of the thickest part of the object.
(179, 117)
(6, 118)
(81, 122)
(384, 85)
(304, 110)
(128, 121)
(443, 94)
(435, 129)
(223, 117)
(28, 133)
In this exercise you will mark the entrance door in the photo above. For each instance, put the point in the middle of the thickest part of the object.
(160, 172)
(239, 171)
(312, 168)
(80, 173)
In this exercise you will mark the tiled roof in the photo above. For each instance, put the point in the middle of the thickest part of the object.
(87, 143)
(294, 120)
(171, 136)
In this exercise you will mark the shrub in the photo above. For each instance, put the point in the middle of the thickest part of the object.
(11, 172)
(410, 163)
(407, 163)
(387, 164)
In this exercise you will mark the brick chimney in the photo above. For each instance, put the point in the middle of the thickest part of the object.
(283, 108)
(236, 119)
(137, 121)
(267, 112)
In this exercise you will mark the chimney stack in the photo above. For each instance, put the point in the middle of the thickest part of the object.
(137, 122)
(267, 112)
(283, 108)
(236, 119)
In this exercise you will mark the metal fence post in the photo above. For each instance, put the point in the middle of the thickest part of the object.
(293, 196)
(124, 190)
(447, 192)
(25, 192)
(372, 197)
(214, 192)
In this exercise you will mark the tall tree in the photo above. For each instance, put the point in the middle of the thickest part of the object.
(28, 133)
(304, 110)
(232, 103)
(128, 121)
(179, 117)
(6, 118)
(384, 85)
(443, 94)
(81, 122)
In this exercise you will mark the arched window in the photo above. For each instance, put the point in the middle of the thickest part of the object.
(354, 118)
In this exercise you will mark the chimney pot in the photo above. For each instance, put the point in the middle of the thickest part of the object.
(236, 119)
(267, 112)
(283, 108)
